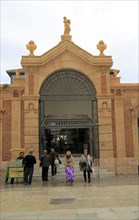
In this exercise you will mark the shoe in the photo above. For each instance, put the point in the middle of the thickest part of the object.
(89, 181)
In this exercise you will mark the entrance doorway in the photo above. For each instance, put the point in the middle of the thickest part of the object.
(67, 112)
(62, 140)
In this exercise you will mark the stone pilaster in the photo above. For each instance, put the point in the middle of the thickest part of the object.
(119, 127)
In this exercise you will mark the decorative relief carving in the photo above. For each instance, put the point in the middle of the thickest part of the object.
(118, 92)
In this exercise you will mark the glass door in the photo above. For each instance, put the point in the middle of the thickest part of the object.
(62, 140)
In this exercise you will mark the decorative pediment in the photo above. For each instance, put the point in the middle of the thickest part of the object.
(66, 47)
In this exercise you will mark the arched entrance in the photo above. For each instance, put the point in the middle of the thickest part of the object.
(68, 113)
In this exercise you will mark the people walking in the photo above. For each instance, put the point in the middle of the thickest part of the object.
(45, 162)
(29, 161)
(53, 156)
(85, 165)
(69, 167)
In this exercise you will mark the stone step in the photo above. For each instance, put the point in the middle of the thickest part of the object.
(61, 170)
(78, 173)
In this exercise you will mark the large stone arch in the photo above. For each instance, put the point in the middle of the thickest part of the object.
(71, 86)
(67, 83)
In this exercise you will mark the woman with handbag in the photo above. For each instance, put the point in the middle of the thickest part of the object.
(85, 165)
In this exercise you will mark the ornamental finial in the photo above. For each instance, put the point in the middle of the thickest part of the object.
(31, 46)
(101, 47)
(17, 73)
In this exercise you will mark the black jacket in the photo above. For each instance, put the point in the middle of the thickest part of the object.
(29, 161)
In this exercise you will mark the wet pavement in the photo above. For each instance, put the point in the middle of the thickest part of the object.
(108, 198)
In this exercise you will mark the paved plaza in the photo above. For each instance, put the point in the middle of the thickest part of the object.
(108, 198)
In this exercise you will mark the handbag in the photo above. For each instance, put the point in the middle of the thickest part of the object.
(82, 165)
(56, 162)
(41, 161)
(90, 169)
(60, 161)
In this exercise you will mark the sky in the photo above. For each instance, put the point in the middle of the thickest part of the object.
(114, 22)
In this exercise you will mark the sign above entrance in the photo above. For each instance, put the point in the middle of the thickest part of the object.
(69, 123)
(67, 116)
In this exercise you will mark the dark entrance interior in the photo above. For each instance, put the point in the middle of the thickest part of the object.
(62, 140)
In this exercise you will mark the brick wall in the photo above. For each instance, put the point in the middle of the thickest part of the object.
(128, 129)
(6, 137)
(22, 124)
(31, 84)
(103, 84)
(114, 131)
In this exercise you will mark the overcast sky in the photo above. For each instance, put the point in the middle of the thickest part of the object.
(114, 22)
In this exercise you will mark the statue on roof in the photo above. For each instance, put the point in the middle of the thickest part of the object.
(66, 26)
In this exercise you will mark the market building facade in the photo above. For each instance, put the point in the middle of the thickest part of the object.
(69, 99)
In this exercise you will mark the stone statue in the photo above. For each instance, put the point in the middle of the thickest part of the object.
(67, 26)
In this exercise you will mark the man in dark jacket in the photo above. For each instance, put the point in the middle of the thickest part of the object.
(45, 161)
(29, 161)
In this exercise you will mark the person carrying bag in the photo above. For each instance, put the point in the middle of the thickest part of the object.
(45, 162)
(85, 165)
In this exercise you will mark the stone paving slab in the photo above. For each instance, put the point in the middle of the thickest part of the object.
(76, 214)
(113, 198)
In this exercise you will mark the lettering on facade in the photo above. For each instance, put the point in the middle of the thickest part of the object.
(66, 116)
(79, 115)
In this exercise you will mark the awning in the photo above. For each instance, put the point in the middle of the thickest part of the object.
(68, 123)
